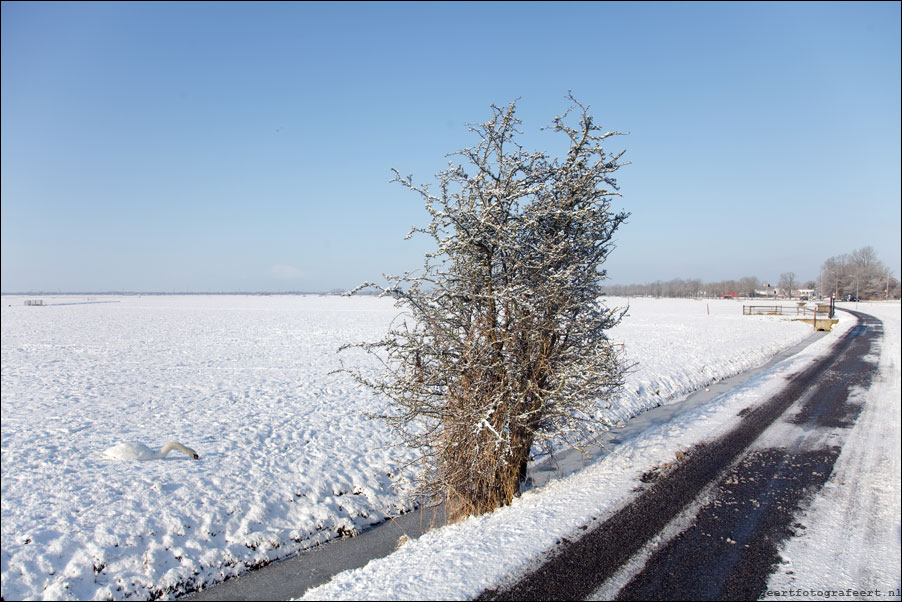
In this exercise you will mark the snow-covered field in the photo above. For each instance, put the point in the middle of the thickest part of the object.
(287, 458)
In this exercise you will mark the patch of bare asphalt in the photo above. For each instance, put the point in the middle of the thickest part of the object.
(776, 480)
(857, 373)
(736, 536)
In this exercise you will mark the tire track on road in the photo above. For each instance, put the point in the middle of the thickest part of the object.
(578, 568)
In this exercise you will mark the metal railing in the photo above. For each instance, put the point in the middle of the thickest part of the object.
(785, 310)
(821, 310)
(770, 310)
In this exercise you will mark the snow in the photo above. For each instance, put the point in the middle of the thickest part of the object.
(288, 458)
(460, 561)
(851, 540)
(852, 543)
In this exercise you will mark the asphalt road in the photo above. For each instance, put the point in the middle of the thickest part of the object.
(734, 499)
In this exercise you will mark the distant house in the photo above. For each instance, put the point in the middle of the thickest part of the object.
(731, 295)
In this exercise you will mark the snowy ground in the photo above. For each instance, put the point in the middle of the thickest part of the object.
(853, 534)
(850, 548)
(287, 459)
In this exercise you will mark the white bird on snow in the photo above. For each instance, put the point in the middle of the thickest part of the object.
(140, 452)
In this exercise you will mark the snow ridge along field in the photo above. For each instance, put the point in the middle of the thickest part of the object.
(287, 458)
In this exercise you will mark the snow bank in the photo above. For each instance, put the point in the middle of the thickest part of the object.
(287, 459)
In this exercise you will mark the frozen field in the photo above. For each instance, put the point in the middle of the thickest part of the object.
(287, 459)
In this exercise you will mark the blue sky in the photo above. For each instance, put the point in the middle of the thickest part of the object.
(248, 147)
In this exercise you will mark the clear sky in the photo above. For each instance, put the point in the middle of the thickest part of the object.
(248, 147)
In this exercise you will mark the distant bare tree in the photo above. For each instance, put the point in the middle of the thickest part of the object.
(858, 272)
(504, 346)
(869, 273)
(695, 287)
(892, 288)
(787, 282)
(833, 275)
(748, 285)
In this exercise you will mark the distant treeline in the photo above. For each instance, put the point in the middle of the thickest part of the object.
(689, 289)
(857, 274)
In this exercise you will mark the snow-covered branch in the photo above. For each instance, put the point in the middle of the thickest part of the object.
(504, 343)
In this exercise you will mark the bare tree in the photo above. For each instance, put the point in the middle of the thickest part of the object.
(503, 346)
(834, 273)
(859, 272)
(869, 273)
(892, 288)
(748, 286)
(787, 282)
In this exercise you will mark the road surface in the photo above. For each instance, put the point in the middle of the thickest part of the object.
(710, 527)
